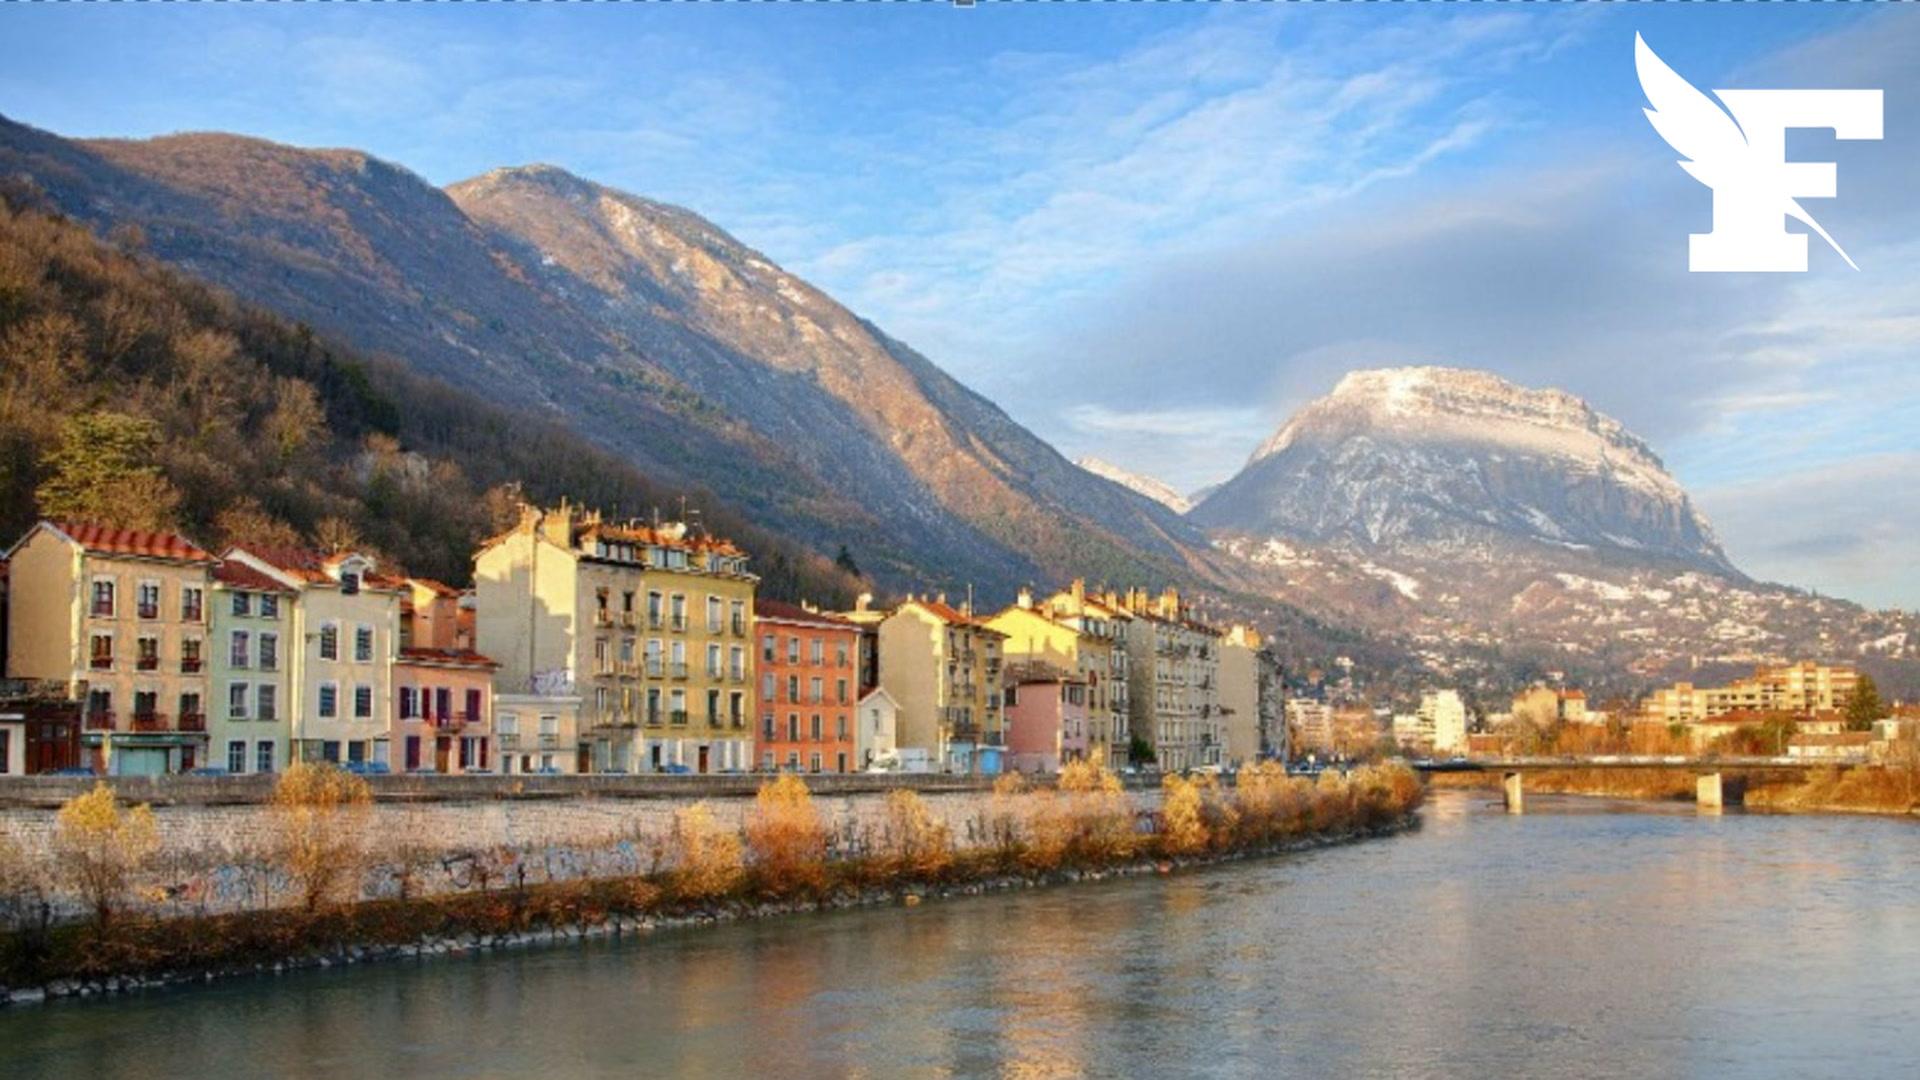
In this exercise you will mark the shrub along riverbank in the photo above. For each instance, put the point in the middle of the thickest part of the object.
(1890, 789)
(780, 860)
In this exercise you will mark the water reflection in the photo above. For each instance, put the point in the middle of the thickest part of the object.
(1562, 943)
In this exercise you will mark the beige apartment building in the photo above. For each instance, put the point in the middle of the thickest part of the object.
(119, 618)
(1174, 692)
(1241, 687)
(650, 626)
(1805, 688)
(943, 667)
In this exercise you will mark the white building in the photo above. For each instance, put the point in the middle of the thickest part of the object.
(1443, 716)
(876, 729)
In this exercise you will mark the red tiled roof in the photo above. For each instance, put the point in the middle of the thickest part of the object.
(311, 566)
(782, 612)
(241, 576)
(108, 540)
(438, 587)
(447, 657)
(647, 535)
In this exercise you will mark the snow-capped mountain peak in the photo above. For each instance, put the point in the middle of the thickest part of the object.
(1156, 490)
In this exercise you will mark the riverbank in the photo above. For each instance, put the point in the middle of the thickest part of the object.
(701, 872)
(1883, 791)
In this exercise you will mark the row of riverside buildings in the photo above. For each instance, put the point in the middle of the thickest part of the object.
(587, 645)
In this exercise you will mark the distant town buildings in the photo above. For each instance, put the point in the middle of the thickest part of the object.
(1804, 687)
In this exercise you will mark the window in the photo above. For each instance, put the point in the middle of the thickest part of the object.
(475, 710)
(189, 707)
(793, 650)
(793, 688)
(362, 702)
(330, 642)
(192, 604)
(100, 652)
(716, 612)
(654, 601)
(819, 652)
(6, 751)
(269, 652)
(767, 647)
(266, 702)
(146, 600)
(190, 655)
(363, 644)
(793, 760)
(766, 761)
(243, 603)
(813, 761)
(766, 726)
(737, 662)
(713, 706)
(679, 609)
(349, 582)
(653, 705)
(840, 691)
(626, 650)
(263, 756)
(737, 708)
(330, 751)
(840, 655)
(238, 651)
(549, 726)
(237, 756)
(148, 656)
(413, 752)
(103, 597)
(654, 653)
(840, 762)
(409, 703)
(443, 702)
(767, 689)
(329, 704)
(713, 660)
(815, 729)
(840, 731)
(356, 751)
(793, 727)
(269, 606)
(237, 701)
(506, 723)
(816, 689)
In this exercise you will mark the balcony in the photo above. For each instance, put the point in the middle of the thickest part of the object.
(190, 665)
(629, 619)
(677, 717)
(149, 613)
(101, 663)
(193, 721)
(679, 622)
(549, 742)
(680, 669)
(653, 620)
(602, 617)
(738, 626)
(149, 721)
(147, 663)
(655, 666)
(100, 721)
(508, 740)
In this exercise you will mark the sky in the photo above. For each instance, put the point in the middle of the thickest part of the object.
(1150, 232)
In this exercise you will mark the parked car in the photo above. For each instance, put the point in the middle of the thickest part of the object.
(676, 770)
(73, 771)
(368, 768)
(208, 770)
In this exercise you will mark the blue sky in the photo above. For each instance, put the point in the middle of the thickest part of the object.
(1149, 232)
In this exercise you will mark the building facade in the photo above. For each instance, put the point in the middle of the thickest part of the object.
(118, 619)
(650, 625)
(1048, 716)
(1101, 619)
(252, 617)
(345, 629)
(443, 708)
(808, 675)
(1240, 694)
(1804, 687)
(942, 667)
(1174, 695)
(876, 733)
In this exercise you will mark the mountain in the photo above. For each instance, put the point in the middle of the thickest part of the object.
(1158, 491)
(1439, 459)
(134, 394)
(640, 325)
(1475, 518)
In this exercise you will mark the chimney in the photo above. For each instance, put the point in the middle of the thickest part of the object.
(863, 602)
(1025, 599)
(1079, 595)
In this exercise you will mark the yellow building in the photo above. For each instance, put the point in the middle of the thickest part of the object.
(649, 626)
(118, 617)
(1174, 698)
(1038, 640)
(942, 667)
(1240, 689)
(1102, 621)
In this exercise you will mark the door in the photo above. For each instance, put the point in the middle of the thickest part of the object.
(703, 759)
(140, 760)
(442, 751)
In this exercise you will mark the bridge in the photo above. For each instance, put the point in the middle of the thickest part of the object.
(1709, 789)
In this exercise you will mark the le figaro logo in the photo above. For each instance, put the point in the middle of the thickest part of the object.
(1741, 153)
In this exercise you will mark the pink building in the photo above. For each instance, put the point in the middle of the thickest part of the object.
(443, 708)
(1046, 720)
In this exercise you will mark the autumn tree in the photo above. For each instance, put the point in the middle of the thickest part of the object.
(103, 471)
(297, 418)
(99, 848)
(786, 836)
(247, 523)
(319, 817)
(705, 856)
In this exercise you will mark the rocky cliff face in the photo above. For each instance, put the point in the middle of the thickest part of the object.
(1436, 459)
(1157, 490)
(640, 324)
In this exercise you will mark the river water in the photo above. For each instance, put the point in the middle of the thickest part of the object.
(1584, 939)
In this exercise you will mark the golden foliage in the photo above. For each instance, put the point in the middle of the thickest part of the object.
(319, 815)
(99, 848)
(704, 856)
(786, 837)
(1183, 826)
(922, 846)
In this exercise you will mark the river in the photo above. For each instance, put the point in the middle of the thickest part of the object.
(1586, 938)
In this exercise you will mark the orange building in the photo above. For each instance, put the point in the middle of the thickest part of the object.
(808, 690)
